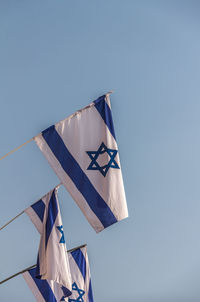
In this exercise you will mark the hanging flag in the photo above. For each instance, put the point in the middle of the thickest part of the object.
(83, 152)
(46, 291)
(80, 271)
(52, 263)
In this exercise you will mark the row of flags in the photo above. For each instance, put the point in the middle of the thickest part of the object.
(83, 152)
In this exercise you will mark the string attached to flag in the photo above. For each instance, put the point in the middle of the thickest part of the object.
(12, 151)
(18, 215)
(7, 223)
(33, 266)
(30, 140)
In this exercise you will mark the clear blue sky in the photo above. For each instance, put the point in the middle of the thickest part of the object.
(55, 58)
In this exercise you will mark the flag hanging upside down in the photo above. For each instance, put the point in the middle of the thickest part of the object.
(46, 291)
(83, 152)
(52, 263)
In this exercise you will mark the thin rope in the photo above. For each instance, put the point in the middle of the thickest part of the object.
(12, 151)
(15, 275)
(33, 266)
(11, 220)
(30, 140)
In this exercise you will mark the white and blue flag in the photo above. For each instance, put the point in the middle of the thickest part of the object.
(81, 280)
(83, 152)
(52, 263)
(47, 291)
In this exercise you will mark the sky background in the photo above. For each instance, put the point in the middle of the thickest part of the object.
(55, 58)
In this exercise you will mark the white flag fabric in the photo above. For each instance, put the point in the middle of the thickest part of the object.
(81, 280)
(46, 291)
(52, 263)
(82, 150)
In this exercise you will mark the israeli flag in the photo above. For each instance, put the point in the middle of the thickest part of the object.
(52, 263)
(81, 280)
(83, 152)
(47, 291)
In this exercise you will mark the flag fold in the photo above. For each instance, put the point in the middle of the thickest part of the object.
(52, 263)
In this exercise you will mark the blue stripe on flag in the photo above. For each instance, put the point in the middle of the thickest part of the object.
(43, 287)
(80, 261)
(90, 294)
(80, 179)
(39, 208)
(105, 112)
(51, 216)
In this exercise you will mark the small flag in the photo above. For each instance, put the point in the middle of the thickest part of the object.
(83, 152)
(52, 263)
(47, 291)
(81, 280)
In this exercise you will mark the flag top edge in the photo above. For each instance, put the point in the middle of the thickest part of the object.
(56, 190)
(93, 103)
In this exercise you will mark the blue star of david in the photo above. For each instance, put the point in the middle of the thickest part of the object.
(79, 291)
(94, 156)
(62, 239)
